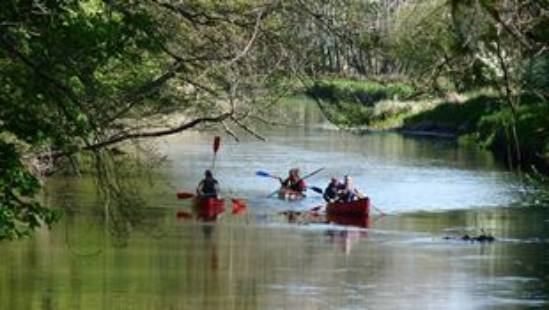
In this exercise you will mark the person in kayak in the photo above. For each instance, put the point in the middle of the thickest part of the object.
(349, 192)
(331, 193)
(208, 187)
(294, 181)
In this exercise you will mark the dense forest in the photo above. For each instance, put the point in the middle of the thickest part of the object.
(79, 77)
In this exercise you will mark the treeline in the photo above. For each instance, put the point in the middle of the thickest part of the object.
(443, 48)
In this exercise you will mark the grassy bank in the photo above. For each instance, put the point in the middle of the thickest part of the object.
(480, 119)
(351, 103)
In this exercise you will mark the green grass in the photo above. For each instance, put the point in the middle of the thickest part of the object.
(480, 118)
(360, 92)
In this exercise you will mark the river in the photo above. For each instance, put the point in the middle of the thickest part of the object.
(140, 255)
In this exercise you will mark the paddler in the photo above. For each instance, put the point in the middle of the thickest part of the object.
(349, 192)
(331, 192)
(294, 182)
(208, 187)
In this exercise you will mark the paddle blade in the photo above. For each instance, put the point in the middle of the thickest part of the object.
(315, 209)
(316, 189)
(216, 143)
(184, 215)
(262, 173)
(184, 195)
(239, 206)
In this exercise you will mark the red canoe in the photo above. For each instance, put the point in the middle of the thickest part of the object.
(362, 221)
(209, 207)
(359, 207)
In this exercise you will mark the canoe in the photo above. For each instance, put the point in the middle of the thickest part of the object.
(359, 208)
(208, 207)
(288, 194)
(362, 221)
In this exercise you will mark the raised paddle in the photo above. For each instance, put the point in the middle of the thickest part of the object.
(216, 145)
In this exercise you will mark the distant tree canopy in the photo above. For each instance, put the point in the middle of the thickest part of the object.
(81, 75)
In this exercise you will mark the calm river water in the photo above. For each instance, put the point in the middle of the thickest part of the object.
(139, 255)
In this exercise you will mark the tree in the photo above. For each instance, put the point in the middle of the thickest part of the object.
(81, 76)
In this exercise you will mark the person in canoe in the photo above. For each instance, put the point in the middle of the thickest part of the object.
(331, 193)
(349, 193)
(294, 182)
(208, 187)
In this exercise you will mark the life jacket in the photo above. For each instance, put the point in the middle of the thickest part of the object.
(298, 186)
(208, 186)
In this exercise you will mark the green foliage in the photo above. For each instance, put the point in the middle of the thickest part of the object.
(60, 69)
(537, 75)
(64, 68)
(459, 118)
(485, 122)
(20, 213)
(533, 132)
(351, 103)
(361, 92)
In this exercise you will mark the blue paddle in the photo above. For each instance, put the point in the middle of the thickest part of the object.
(262, 173)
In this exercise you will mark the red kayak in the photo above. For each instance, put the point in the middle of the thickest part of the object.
(359, 207)
(208, 207)
(289, 194)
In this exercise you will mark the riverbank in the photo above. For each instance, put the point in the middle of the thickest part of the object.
(477, 119)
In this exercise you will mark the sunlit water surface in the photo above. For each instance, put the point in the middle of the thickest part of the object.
(141, 256)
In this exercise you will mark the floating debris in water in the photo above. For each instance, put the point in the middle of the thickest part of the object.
(483, 237)
(466, 237)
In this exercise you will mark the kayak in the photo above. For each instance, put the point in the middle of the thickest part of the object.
(359, 208)
(289, 194)
(350, 220)
(208, 207)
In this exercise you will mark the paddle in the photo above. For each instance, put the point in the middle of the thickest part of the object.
(266, 174)
(184, 195)
(216, 145)
(239, 206)
(262, 173)
(314, 211)
(183, 215)
(312, 173)
(378, 210)
(315, 189)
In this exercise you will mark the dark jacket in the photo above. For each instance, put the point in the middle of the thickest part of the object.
(331, 192)
(208, 187)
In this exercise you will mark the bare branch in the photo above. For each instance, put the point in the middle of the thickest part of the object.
(229, 131)
(248, 129)
(251, 41)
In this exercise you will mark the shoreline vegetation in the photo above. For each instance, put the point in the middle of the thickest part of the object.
(477, 118)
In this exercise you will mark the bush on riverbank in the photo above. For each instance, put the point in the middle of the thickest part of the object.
(493, 132)
(351, 103)
(366, 93)
(479, 118)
